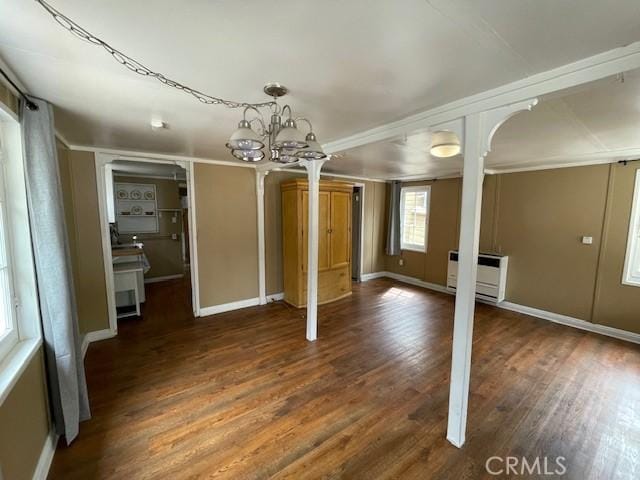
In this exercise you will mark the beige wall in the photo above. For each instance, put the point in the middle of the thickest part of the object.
(226, 222)
(78, 180)
(373, 226)
(617, 305)
(164, 253)
(8, 99)
(541, 219)
(444, 219)
(24, 423)
(538, 219)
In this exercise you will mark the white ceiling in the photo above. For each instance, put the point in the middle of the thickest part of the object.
(350, 65)
(595, 121)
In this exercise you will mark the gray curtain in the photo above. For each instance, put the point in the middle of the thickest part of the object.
(393, 221)
(69, 402)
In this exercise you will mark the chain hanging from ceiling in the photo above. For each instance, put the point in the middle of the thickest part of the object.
(138, 67)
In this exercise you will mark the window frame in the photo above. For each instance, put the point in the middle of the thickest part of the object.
(11, 338)
(412, 246)
(26, 307)
(629, 277)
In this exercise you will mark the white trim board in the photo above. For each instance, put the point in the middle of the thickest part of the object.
(95, 336)
(152, 157)
(533, 312)
(163, 278)
(227, 307)
(275, 297)
(572, 322)
(237, 305)
(406, 279)
(46, 457)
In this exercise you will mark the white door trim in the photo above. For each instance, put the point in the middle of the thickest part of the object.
(101, 161)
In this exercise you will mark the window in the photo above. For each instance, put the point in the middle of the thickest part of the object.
(414, 218)
(631, 275)
(8, 330)
(20, 330)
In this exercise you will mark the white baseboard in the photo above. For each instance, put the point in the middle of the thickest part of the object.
(275, 297)
(406, 279)
(95, 336)
(572, 322)
(163, 279)
(365, 277)
(227, 307)
(534, 312)
(46, 457)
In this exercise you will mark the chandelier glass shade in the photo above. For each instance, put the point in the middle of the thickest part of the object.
(287, 144)
(244, 138)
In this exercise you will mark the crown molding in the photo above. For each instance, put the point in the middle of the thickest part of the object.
(139, 155)
(567, 161)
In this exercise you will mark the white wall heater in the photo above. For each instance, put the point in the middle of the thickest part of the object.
(492, 276)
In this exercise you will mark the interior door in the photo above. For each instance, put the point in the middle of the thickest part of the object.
(324, 216)
(340, 237)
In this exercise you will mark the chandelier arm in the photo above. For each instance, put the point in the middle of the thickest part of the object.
(137, 67)
(287, 107)
(305, 120)
(264, 131)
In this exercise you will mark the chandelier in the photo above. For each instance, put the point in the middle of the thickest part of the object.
(286, 143)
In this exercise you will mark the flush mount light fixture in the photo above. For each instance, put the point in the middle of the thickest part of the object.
(287, 144)
(444, 144)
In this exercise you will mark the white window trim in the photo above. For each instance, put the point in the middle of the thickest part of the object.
(28, 327)
(12, 337)
(409, 246)
(633, 243)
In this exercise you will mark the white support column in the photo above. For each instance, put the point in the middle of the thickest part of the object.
(478, 132)
(313, 173)
(473, 174)
(262, 278)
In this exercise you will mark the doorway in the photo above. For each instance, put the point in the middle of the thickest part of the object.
(147, 232)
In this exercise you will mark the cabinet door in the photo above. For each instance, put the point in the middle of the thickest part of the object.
(323, 230)
(340, 237)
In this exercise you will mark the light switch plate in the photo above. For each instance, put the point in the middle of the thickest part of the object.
(587, 240)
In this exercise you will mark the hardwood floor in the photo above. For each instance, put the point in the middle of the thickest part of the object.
(243, 395)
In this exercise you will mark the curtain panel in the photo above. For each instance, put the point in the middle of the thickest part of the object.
(69, 401)
(393, 221)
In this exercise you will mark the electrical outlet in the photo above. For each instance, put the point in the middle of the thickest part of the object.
(401, 262)
(587, 240)
(174, 219)
(174, 236)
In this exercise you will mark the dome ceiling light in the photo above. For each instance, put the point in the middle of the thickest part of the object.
(444, 144)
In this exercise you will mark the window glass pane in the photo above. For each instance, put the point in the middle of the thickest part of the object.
(414, 217)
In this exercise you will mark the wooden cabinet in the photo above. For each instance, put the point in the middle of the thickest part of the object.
(334, 240)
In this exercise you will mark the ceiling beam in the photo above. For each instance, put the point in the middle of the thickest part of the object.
(583, 71)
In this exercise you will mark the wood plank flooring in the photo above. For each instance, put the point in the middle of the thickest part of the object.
(243, 395)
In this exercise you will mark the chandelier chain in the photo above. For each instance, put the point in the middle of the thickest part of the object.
(137, 67)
